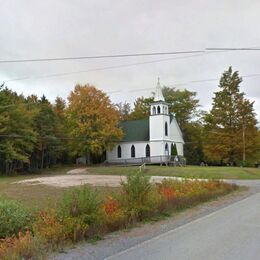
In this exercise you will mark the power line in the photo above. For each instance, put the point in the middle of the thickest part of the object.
(99, 69)
(83, 138)
(108, 67)
(195, 81)
(43, 137)
(177, 84)
(233, 49)
(127, 55)
(101, 56)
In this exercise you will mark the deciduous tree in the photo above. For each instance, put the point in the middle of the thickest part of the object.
(93, 120)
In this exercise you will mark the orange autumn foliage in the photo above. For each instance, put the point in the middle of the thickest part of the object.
(20, 247)
(167, 192)
(48, 227)
(92, 115)
(110, 206)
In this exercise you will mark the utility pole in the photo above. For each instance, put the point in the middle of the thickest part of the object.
(244, 142)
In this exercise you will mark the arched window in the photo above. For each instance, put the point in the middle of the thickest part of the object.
(132, 151)
(173, 150)
(154, 110)
(158, 110)
(147, 150)
(119, 152)
(166, 149)
(166, 129)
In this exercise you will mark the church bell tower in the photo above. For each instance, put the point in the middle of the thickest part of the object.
(159, 120)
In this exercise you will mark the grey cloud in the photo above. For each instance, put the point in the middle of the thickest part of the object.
(52, 28)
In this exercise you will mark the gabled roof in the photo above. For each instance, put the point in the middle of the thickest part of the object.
(173, 118)
(136, 130)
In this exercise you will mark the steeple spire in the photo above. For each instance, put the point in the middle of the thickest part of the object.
(158, 96)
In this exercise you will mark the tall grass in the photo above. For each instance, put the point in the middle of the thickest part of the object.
(13, 218)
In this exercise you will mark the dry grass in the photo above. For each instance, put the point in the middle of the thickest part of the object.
(37, 197)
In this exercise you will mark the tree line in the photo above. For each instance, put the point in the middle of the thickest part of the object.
(36, 134)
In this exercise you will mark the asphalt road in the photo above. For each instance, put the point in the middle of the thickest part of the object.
(229, 233)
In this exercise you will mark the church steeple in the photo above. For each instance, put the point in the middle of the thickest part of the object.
(159, 106)
(159, 121)
(158, 95)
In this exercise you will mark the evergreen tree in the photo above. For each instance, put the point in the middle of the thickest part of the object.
(45, 124)
(231, 124)
(17, 137)
(61, 131)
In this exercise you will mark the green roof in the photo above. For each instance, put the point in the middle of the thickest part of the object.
(136, 130)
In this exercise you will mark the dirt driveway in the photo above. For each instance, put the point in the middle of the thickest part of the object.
(64, 181)
(76, 179)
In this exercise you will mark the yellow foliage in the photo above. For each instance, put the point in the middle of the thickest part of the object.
(93, 119)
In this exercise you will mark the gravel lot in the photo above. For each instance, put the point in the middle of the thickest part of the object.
(71, 180)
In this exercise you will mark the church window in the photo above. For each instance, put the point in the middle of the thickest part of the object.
(132, 151)
(147, 150)
(166, 149)
(154, 110)
(166, 129)
(119, 152)
(158, 110)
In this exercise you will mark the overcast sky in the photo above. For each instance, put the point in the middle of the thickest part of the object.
(63, 28)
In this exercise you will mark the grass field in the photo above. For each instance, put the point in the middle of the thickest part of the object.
(187, 172)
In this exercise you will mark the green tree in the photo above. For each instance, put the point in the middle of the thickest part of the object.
(185, 106)
(17, 137)
(183, 103)
(231, 124)
(124, 110)
(141, 108)
(193, 148)
(45, 124)
(61, 131)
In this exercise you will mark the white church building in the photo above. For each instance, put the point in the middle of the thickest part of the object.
(149, 140)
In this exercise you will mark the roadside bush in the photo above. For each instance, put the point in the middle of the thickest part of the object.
(49, 229)
(75, 229)
(81, 202)
(13, 218)
(114, 216)
(183, 194)
(139, 198)
(24, 246)
(55, 231)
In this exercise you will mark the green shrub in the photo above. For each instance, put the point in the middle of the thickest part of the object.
(139, 198)
(74, 228)
(13, 218)
(81, 202)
